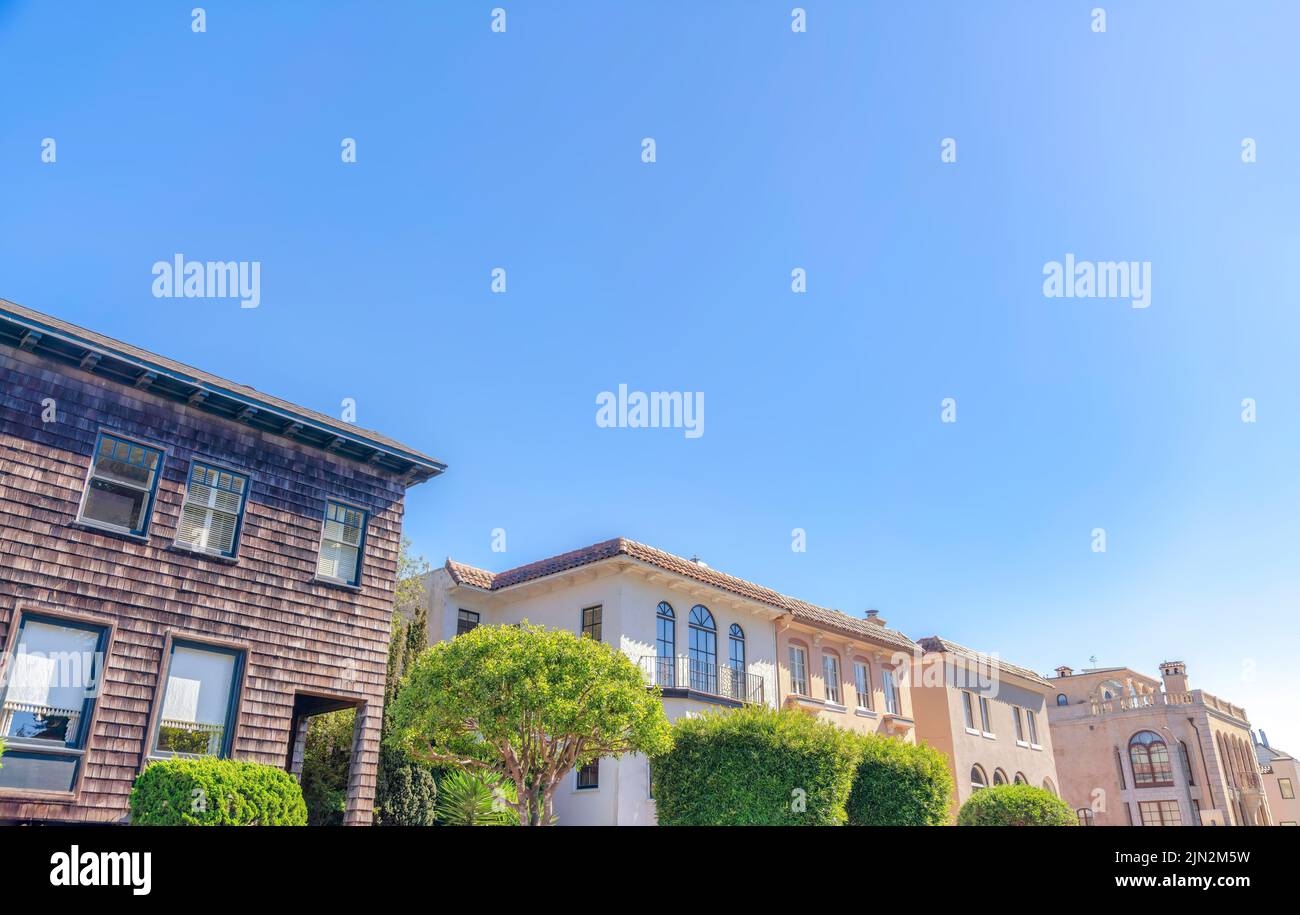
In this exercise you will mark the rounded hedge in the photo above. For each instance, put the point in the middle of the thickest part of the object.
(406, 791)
(1015, 805)
(216, 792)
(755, 766)
(899, 784)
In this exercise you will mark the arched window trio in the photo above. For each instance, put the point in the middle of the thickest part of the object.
(702, 672)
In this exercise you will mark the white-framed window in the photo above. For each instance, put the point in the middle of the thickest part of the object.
(798, 671)
(1020, 725)
(978, 779)
(986, 721)
(1285, 788)
(893, 703)
(343, 537)
(862, 684)
(1033, 727)
(831, 677)
(120, 489)
(968, 709)
(213, 511)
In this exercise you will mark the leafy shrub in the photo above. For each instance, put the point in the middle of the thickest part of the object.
(326, 760)
(899, 784)
(406, 791)
(755, 766)
(474, 799)
(216, 792)
(1015, 805)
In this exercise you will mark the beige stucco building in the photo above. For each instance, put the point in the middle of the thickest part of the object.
(1134, 750)
(986, 715)
(1277, 770)
(709, 641)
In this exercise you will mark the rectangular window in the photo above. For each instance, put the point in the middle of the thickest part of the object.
(968, 710)
(1033, 727)
(862, 683)
(591, 622)
(831, 677)
(798, 671)
(1020, 727)
(343, 538)
(198, 701)
(52, 683)
(123, 479)
(893, 705)
(1160, 813)
(213, 511)
(589, 775)
(1288, 790)
(466, 620)
(986, 723)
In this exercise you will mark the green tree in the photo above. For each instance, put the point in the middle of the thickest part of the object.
(1015, 805)
(528, 704)
(476, 799)
(899, 784)
(755, 766)
(405, 791)
(327, 757)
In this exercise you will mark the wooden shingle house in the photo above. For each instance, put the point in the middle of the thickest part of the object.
(187, 566)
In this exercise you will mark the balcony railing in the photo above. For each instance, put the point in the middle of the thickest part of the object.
(1155, 699)
(721, 680)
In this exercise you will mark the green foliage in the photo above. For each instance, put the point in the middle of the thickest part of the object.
(476, 799)
(755, 766)
(326, 759)
(527, 703)
(215, 792)
(899, 784)
(406, 792)
(1015, 805)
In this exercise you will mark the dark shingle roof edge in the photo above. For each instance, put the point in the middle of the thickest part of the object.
(61, 341)
(936, 644)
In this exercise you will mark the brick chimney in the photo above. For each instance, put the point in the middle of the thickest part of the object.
(1065, 671)
(1174, 673)
(873, 616)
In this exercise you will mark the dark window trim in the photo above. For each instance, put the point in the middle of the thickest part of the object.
(594, 766)
(73, 618)
(239, 516)
(355, 581)
(478, 618)
(244, 652)
(141, 533)
(596, 627)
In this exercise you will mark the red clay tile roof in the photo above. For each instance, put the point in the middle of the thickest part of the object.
(935, 644)
(620, 546)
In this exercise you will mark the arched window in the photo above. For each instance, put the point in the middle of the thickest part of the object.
(665, 645)
(978, 779)
(736, 661)
(1020, 779)
(703, 650)
(1061, 700)
(1048, 786)
(999, 777)
(1150, 758)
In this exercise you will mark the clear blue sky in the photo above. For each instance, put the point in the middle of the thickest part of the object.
(775, 151)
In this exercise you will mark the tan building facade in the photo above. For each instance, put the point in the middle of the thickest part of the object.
(847, 671)
(986, 716)
(1134, 750)
(1278, 771)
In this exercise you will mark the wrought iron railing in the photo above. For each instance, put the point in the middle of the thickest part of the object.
(707, 678)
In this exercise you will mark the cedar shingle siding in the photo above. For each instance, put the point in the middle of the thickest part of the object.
(301, 636)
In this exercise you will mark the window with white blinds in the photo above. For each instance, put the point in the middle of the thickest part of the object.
(341, 543)
(213, 510)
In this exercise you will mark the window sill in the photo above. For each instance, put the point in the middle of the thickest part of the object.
(203, 554)
(38, 797)
(972, 732)
(336, 583)
(111, 531)
(865, 713)
(990, 736)
(1023, 744)
(1034, 746)
(832, 706)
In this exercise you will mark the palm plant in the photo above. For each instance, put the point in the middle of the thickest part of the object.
(469, 799)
